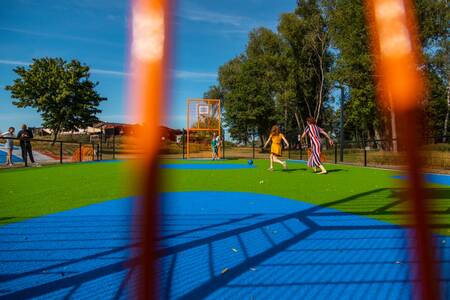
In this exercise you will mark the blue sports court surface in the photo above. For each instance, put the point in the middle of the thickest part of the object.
(213, 245)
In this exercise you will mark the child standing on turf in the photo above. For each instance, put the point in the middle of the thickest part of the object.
(275, 150)
(313, 131)
(215, 147)
(9, 145)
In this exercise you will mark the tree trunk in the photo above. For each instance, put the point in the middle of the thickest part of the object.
(285, 117)
(55, 136)
(322, 79)
(393, 125)
(300, 124)
(447, 114)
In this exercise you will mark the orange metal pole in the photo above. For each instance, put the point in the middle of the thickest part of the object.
(198, 116)
(149, 59)
(395, 46)
(188, 127)
(221, 137)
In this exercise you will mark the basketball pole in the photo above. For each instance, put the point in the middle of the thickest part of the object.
(222, 137)
(188, 126)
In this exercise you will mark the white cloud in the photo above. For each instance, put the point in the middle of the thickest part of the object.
(13, 62)
(233, 24)
(203, 15)
(193, 75)
(60, 36)
(93, 71)
(109, 72)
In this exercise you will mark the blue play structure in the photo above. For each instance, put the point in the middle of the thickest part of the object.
(213, 245)
(210, 166)
(3, 155)
(432, 178)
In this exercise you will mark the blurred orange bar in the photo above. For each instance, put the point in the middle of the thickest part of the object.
(400, 85)
(147, 93)
(395, 46)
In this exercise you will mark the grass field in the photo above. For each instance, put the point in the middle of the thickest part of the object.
(33, 192)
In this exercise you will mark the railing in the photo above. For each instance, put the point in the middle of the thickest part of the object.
(369, 153)
(76, 148)
(48, 152)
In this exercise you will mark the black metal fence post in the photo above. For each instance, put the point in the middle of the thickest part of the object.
(101, 146)
(335, 153)
(98, 151)
(289, 151)
(223, 146)
(253, 144)
(365, 154)
(80, 146)
(60, 152)
(183, 143)
(114, 145)
(301, 148)
(93, 152)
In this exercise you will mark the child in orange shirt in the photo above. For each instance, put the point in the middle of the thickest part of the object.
(275, 150)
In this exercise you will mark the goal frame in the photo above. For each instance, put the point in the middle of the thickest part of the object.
(189, 129)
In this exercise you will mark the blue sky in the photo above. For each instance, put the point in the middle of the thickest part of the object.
(206, 35)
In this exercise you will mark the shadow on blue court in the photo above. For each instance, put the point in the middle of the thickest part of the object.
(248, 246)
(78, 253)
(215, 245)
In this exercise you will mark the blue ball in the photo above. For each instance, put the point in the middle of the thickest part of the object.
(250, 162)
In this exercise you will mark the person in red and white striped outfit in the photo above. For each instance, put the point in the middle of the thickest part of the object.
(313, 131)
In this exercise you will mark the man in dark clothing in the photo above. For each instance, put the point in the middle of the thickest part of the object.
(25, 135)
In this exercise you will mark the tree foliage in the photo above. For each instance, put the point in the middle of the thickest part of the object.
(60, 91)
(282, 77)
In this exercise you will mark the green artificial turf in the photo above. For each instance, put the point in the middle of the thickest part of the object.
(296, 183)
(32, 192)
(365, 191)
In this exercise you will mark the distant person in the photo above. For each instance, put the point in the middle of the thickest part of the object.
(275, 150)
(219, 144)
(9, 145)
(313, 131)
(25, 135)
(215, 146)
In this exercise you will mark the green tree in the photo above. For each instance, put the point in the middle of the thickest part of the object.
(281, 78)
(60, 91)
(433, 16)
(307, 59)
(247, 86)
(354, 66)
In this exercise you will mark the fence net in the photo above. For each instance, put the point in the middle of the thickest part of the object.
(373, 153)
